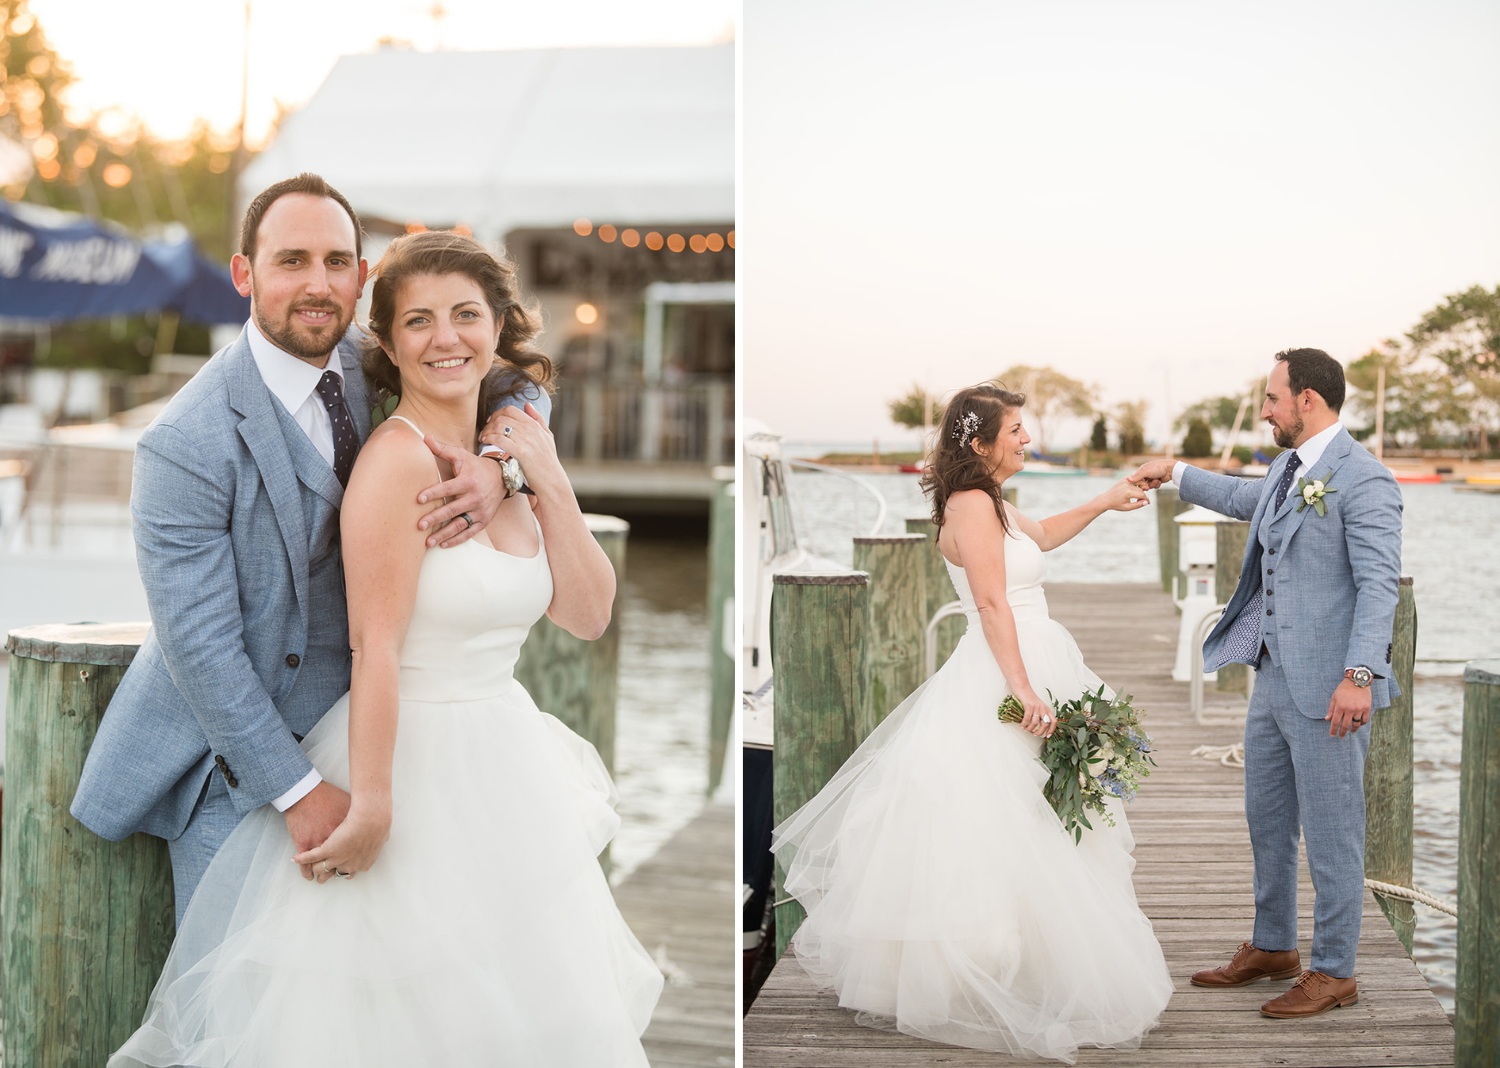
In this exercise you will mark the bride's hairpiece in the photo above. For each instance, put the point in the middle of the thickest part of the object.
(965, 428)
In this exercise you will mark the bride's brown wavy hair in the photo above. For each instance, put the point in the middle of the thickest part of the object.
(517, 364)
(974, 414)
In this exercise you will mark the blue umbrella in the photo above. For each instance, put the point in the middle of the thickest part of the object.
(58, 267)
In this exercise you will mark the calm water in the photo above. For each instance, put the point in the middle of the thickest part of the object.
(1449, 544)
(661, 727)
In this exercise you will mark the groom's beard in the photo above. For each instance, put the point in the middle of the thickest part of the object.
(309, 343)
(1286, 437)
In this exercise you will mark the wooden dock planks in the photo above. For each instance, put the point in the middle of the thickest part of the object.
(681, 904)
(1193, 879)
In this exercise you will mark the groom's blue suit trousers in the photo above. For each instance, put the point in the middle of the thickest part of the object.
(1297, 778)
(214, 820)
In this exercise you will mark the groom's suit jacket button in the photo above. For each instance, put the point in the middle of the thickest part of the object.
(219, 760)
(292, 660)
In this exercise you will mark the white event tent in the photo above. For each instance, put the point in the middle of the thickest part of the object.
(535, 138)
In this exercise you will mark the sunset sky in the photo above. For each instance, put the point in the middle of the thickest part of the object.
(1122, 191)
(184, 61)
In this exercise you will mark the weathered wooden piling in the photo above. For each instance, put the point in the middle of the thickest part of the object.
(85, 923)
(722, 696)
(1167, 507)
(821, 713)
(1229, 554)
(895, 630)
(1477, 1003)
(937, 589)
(576, 680)
(1389, 775)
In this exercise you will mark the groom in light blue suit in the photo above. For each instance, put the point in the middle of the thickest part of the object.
(235, 508)
(1313, 613)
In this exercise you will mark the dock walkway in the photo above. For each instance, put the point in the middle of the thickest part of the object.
(1193, 879)
(681, 904)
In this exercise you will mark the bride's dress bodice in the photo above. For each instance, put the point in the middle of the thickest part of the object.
(1024, 571)
(474, 608)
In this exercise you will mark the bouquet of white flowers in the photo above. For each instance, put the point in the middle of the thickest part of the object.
(1098, 749)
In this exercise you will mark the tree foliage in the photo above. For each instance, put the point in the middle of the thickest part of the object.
(1130, 424)
(106, 164)
(1421, 402)
(1098, 440)
(906, 410)
(1199, 441)
(1049, 393)
(1463, 334)
(1215, 412)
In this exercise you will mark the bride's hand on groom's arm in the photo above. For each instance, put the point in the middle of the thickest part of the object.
(354, 845)
(530, 442)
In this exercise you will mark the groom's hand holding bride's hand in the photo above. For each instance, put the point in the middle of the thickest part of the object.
(1151, 474)
(354, 845)
(311, 820)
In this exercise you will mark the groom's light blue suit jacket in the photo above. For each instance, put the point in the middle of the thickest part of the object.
(1333, 579)
(236, 522)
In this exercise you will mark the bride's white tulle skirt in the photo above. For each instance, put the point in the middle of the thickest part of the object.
(485, 934)
(943, 897)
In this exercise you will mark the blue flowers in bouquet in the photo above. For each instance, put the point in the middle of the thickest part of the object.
(1098, 750)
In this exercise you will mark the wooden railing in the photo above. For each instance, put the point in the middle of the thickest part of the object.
(688, 423)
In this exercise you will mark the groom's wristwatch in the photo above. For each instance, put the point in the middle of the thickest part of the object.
(1360, 676)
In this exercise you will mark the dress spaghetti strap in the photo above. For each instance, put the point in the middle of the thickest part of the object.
(409, 423)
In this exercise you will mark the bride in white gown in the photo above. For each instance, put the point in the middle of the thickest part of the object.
(943, 897)
(471, 924)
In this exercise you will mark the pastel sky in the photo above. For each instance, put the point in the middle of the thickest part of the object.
(173, 61)
(1124, 191)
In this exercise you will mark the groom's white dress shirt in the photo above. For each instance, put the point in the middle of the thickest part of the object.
(1308, 453)
(293, 382)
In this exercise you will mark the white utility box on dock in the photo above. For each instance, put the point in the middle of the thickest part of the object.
(1197, 546)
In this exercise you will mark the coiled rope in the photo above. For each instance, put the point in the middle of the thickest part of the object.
(1231, 756)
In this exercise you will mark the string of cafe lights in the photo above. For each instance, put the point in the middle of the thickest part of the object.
(653, 240)
(629, 237)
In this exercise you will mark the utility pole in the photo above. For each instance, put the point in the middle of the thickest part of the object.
(1380, 409)
(237, 163)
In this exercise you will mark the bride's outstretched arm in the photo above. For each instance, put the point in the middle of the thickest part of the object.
(583, 579)
(1123, 496)
(383, 551)
(978, 540)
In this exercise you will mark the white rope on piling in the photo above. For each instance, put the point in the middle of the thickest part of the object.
(1231, 756)
(1406, 893)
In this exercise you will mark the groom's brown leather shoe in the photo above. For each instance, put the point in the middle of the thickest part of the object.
(1249, 965)
(1313, 994)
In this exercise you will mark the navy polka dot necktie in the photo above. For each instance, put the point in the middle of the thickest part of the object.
(345, 440)
(1286, 480)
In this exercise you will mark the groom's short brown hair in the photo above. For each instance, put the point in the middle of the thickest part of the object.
(1314, 369)
(306, 182)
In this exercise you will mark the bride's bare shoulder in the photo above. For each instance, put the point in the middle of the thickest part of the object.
(969, 504)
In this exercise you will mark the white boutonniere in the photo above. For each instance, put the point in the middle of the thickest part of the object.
(1313, 493)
